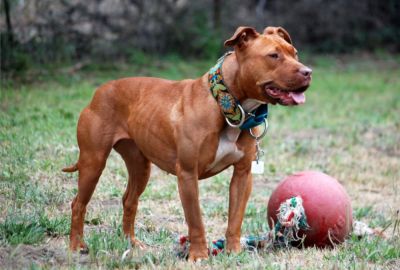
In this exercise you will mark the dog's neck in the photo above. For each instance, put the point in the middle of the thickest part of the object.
(230, 71)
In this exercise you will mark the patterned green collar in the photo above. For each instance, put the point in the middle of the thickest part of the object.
(230, 106)
(234, 114)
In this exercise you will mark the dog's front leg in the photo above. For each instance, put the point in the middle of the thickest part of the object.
(239, 193)
(189, 194)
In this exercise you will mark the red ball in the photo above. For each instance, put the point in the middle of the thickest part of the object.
(326, 203)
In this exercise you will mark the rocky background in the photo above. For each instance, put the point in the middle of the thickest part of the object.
(42, 31)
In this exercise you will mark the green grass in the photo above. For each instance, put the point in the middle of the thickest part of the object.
(348, 128)
(31, 228)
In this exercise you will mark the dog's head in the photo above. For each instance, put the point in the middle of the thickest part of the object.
(269, 68)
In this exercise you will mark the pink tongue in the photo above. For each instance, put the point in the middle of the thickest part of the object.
(299, 98)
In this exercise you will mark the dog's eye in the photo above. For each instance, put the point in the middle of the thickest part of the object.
(273, 55)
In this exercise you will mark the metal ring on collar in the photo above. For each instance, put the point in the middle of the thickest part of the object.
(241, 120)
(263, 133)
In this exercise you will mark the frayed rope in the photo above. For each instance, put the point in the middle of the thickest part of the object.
(291, 218)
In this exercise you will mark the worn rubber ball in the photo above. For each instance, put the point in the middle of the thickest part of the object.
(326, 204)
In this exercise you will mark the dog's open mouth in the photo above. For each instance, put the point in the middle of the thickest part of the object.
(287, 97)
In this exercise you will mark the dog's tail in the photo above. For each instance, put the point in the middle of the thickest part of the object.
(72, 168)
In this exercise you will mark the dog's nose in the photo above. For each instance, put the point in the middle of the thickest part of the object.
(305, 71)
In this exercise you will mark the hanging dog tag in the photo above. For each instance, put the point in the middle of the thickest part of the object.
(257, 167)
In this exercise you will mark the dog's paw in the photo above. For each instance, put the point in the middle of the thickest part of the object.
(138, 244)
(79, 246)
(196, 255)
(233, 247)
(84, 250)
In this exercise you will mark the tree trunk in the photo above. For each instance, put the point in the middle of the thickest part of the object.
(217, 15)
(10, 33)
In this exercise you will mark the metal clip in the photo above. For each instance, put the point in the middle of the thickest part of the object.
(259, 151)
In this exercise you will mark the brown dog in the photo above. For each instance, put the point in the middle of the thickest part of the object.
(178, 126)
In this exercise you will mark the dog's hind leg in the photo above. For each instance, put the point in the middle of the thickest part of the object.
(95, 143)
(139, 172)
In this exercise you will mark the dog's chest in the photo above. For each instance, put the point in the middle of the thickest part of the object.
(227, 151)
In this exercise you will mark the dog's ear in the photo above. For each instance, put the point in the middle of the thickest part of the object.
(278, 31)
(241, 37)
